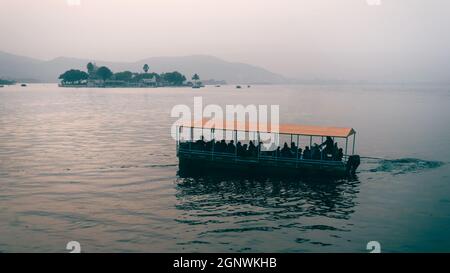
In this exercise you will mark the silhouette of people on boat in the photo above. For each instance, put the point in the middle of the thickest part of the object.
(328, 150)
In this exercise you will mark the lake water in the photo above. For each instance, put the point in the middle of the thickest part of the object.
(99, 166)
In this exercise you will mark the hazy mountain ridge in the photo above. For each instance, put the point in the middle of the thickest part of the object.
(208, 67)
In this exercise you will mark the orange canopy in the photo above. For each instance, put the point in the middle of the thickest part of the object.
(305, 130)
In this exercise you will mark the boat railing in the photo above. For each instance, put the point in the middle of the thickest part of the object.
(215, 155)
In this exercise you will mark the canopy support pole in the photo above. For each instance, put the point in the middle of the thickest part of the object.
(346, 146)
(177, 128)
(235, 141)
(213, 139)
(259, 145)
(298, 147)
(354, 139)
(321, 152)
(192, 138)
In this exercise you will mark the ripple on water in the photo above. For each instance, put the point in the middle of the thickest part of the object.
(100, 166)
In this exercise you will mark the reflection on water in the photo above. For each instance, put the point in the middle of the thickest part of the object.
(273, 199)
(273, 208)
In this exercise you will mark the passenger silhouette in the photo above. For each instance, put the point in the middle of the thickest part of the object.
(315, 152)
(340, 155)
(251, 149)
(329, 145)
(208, 145)
(244, 150)
(278, 152)
(231, 148)
(307, 153)
(223, 146)
(239, 149)
(335, 151)
(286, 151)
(200, 144)
(293, 148)
(217, 147)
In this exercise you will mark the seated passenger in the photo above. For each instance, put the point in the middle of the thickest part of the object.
(208, 145)
(315, 152)
(307, 153)
(259, 148)
(199, 144)
(299, 154)
(286, 151)
(340, 155)
(244, 150)
(239, 149)
(223, 146)
(252, 149)
(230, 148)
(278, 152)
(217, 147)
(335, 151)
(293, 148)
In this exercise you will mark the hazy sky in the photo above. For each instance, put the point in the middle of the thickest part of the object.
(329, 39)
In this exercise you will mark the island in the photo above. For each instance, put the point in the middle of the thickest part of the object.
(102, 77)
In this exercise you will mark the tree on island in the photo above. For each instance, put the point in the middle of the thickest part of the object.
(90, 67)
(173, 78)
(146, 68)
(126, 76)
(104, 73)
(196, 78)
(74, 76)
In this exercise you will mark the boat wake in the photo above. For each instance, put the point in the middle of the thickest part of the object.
(405, 165)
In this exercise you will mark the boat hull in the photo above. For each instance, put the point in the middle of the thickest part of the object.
(267, 166)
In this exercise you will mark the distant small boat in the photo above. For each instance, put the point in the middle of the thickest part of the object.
(248, 86)
(218, 85)
(23, 85)
(238, 87)
(196, 86)
(1, 86)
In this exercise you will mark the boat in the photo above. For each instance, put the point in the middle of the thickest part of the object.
(23, 85)
(1, 86)
(238, 86)
(267, 163)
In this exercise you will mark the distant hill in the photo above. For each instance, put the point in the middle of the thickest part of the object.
(208, 67)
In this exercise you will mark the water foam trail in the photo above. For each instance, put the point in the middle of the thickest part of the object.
(403, 165)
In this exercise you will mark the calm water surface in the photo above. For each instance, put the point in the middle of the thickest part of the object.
(99, 166)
